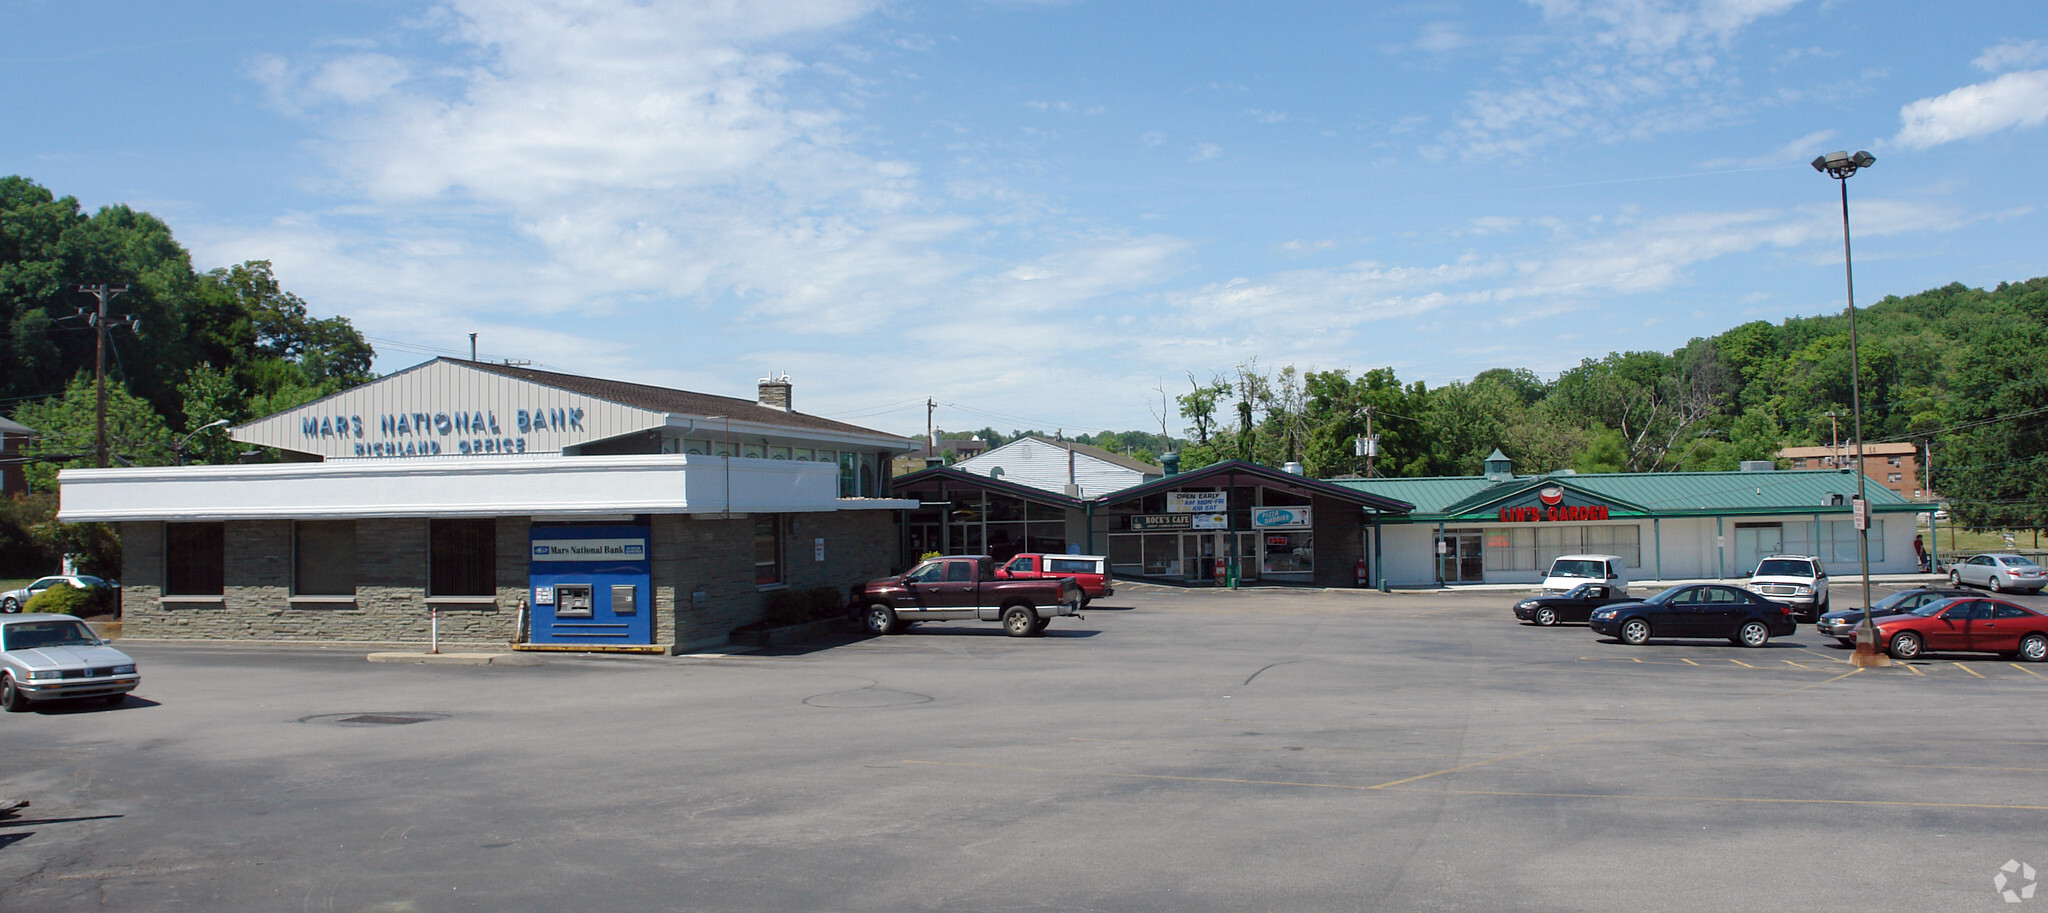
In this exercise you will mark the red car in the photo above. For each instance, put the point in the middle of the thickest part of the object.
(1966, 624)
(1090, 571)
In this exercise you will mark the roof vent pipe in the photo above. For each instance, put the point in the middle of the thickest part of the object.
(1169, 463)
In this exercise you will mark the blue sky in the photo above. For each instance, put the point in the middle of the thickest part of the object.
(1036, 213)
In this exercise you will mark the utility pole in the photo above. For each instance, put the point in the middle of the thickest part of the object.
(931, 440)
(98, 319)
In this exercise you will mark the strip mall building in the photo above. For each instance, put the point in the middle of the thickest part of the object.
(618, 514)
(1270, 526)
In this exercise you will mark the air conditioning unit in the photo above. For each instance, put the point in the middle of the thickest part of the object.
(1834, 500)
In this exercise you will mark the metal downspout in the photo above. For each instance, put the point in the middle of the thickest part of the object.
(1657, 537)
(1721, 546)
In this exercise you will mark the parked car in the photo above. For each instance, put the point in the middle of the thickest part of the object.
(1696, 610)
(966, 587)
(1966, 624)
(1575, 605)
(1999, 573)
(1090, 571)
(1567, 571)
(56, 657)
(13, 600)
(1795, 580)
(1841, 625)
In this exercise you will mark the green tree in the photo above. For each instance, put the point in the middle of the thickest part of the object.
(66, 432)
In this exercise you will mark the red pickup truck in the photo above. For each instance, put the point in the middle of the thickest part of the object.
(1090, 571)
(965, 587)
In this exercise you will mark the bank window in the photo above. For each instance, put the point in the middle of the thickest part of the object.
(1892, 477)
(1891, 461)
(462, 558)
(324, 558)
(194, 559)
(767, 551)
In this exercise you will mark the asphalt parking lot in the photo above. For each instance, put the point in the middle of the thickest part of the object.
(1183, 751)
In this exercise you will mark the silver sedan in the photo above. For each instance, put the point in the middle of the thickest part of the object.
(1999, 573)
(57, 657)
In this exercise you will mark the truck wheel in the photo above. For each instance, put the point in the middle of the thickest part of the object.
(880, 619)
(1020, 621)
(1039, 628)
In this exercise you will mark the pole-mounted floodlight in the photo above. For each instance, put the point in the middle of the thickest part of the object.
(178, 449)
(1841, 166)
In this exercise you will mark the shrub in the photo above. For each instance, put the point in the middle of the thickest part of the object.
(788, 607)
(62, 599)
(827, 602)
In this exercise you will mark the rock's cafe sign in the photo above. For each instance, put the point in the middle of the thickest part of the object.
(1553, 509)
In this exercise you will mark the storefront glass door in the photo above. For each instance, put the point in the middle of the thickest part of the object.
(1461, 557)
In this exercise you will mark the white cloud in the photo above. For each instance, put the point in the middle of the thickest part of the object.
(1438, 37)
(1631, 70)
(2012, 55)
(1205, 151)
(2013, 100)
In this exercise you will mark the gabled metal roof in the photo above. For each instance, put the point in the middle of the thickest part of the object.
(1266, 474)
(1652, 494)
(965, 478)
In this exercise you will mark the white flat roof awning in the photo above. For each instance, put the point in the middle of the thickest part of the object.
(549, 485)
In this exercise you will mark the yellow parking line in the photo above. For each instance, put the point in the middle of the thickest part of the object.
(1636, 659)
(1794, 665)
(2027, 670)
(1968, 669)
(1687, 661)
(1742, 664)
(1914, 669)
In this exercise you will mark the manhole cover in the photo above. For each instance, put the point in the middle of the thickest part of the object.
(399, 718)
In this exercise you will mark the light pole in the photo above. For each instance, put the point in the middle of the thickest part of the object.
(1841, 166)
(179, 449)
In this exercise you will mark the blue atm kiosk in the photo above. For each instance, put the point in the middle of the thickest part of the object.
(590, 585)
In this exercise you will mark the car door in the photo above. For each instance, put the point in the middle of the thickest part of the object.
(920, 588)
(1721, 609)
(1021, 566)
(1678, 616)
(1998, 628)
(1952, 630)
(956, 595)
(1580, 607)
(1977, 571)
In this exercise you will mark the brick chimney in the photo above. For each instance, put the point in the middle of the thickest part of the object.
(775, 393)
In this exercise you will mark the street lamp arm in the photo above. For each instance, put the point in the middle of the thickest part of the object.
(179, 448)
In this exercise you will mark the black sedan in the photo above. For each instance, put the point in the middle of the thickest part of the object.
(1697, 610)
(1574, 606)
(1842, 625)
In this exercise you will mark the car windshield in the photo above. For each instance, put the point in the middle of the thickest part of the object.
(32, 635)
(1783, 567)
(1933, 608)
(1893, 599)
(2017, 561)
(1577, 569)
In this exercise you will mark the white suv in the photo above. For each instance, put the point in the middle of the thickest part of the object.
(1795, 580)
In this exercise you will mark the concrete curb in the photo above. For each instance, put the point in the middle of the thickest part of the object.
(458, 659)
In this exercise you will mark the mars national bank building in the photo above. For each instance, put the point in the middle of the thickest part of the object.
(617, 514)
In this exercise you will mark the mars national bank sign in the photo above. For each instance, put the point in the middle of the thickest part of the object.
(1552, 509)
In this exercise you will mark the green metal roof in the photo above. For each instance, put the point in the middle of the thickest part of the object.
(1652, 494)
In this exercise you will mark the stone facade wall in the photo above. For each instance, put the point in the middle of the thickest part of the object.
(1340, 540)
(688, 556)
(714, 557)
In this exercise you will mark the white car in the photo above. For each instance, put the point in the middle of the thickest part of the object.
(13, 600)
(1999, 573)
(1795, 580)
(46, 657)
(1568, 571)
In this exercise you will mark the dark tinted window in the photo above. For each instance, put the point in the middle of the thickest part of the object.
(2011, 611)
(1965, 611)
(194, 559)
(959, 571)
(462, 558)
